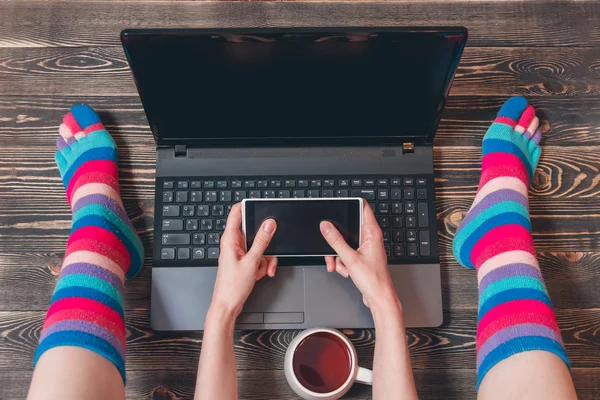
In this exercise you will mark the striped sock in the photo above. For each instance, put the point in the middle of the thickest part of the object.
(515, 312)
(86, 309)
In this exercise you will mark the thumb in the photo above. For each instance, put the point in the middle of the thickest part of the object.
(335, 239)
(262, 239)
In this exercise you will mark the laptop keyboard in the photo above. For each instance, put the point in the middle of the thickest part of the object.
(193, 212)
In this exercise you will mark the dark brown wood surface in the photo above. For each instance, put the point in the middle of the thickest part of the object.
(54, 54)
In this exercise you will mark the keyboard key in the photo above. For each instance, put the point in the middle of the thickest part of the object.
(343, 182)
(175, 239)
(222, 185)
(396, 208)
(211, 196)
(298, 194)
(236, 184)
(221, 224)
(383, 194)
(411, 236)
(312, 193)
(225, 196)
(213, 253)
(409, 208)
(303, 183)
(329, 183)
(386, 236)
(275, 184)
(182, 185)
(170, 211)
(239, 195)
(356, 182)
(409, 194)
(396, 181)
(199, 238)
(196, 197)
(328, 193)
(168, 185)
(398, 237)
(191, 224)
(341, 193)
(398, 250)
(284, 194)
(203, 210)
(214, 238)
(172, 225)
(316, 183)
(188, 211)
(421, 194)
(254, 194)
(183, 253)
(408, 181)
(228, 208)
(369, 182)
(382, 182)
(423, 215)
(411, 250)
(421, 181)
(397, 222)
(218, 210)
(411, 222)
(424, 243)
(372, 205)
(396, 194)
(198, 253)
(270, 194)
(167, 197)
(290, 183)
(368, 194)
(196, 185)
(167, 253)
(383, 208)
(388, 251)
(206, 224)
(209, 184)
(249, 184)
(384, 222)
(181, 197)
(263, 184)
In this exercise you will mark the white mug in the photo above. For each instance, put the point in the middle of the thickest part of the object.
(358, 374)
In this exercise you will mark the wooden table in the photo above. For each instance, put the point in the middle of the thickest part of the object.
(54, 54)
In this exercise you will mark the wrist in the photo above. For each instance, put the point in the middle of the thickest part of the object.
(386, 307)
(221, 315)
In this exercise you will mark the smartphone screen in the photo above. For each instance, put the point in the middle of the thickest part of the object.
(298, 221)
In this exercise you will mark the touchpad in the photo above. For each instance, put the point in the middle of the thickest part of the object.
(283, 293)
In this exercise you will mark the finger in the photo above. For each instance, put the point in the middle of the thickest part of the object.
(271, 266)
(234, 221)
(335, 239)
(370, 226)
(262, 239)
(330, 263)
(341, 268)
(262, 269)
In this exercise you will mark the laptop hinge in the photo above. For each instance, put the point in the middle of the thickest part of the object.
(408, 147)
(180, 150)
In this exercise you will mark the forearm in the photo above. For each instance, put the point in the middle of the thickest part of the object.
(217, 375)
(392, 371)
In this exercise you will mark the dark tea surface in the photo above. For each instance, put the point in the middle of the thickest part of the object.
(322, 362)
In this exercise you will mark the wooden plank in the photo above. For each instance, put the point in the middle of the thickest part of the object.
(27, 281)
(103, 71)
(533, 23)
(31, 121)
(448, 347)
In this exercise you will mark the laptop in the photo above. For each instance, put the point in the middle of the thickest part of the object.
(279, 113)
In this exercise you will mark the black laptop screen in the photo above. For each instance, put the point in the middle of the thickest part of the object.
(282, 86)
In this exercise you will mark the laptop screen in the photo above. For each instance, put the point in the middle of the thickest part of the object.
(329, 87)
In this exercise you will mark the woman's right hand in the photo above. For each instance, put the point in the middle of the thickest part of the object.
(366, 266)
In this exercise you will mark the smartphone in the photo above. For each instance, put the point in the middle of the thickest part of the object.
(298, 233)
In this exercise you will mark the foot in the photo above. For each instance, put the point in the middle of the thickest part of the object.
(510, 155)
(87, 161)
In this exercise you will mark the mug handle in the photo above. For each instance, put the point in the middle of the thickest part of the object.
(364, 376)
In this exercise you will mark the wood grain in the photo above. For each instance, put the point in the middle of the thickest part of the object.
(103, 71)
(532, 23)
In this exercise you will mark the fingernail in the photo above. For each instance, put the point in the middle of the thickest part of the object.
(325, 227)
(269, 226)
(345, 274)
